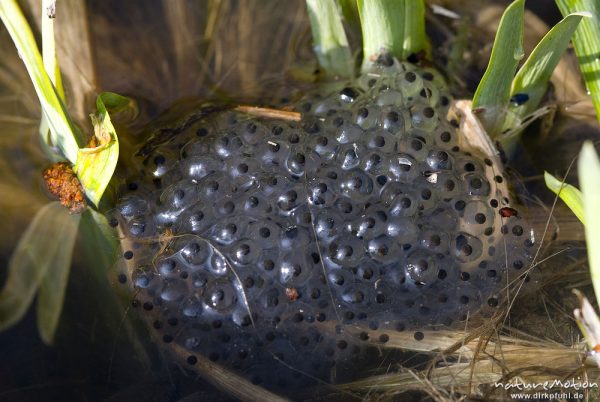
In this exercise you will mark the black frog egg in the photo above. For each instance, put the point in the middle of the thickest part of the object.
(348, 156)
(345, 251)
(142, 276)
(479, 216)
(220, 296)
(201, 166)
(390, 97)
(227, 231)
(438, 159)
(132, 206)
(192, 307)
(349, 133)
(194, 252)
(296, 161)
(381, 141)
(403, 205)
(174, 290)
(324, 106)
(410, 83)
(243, 171)
(467, 248)
(383, 249)
(327, 224)
(376, 164)
(321, 192)
(403, 168)
(253, 132)
(273, 151)
(160, 163)
(403, 230)
(477, 184)
(293, 270)
(372, 224)
(227, 145)
(245, 252)
(254, 204)
(366, 116)
(415, 145)
(294, 237)
(421, 268)
(356, 185)
(424, 117)
(392, 119)
(288, 200)
(434, 240)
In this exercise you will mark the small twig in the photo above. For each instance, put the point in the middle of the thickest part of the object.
(269, 113)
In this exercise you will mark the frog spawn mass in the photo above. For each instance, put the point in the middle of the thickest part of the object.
(262, 244)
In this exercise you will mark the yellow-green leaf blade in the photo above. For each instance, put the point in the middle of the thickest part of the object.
(394, 26)
(493, 91)
(533, 77)
(64, 135)
(587, 44)
(95, 166)
(54, 284)
(115, 103)
(589, 178)
(568, 193)
(330, 42)
(38, 251)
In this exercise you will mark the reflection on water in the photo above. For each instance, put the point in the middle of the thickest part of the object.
(157, 52)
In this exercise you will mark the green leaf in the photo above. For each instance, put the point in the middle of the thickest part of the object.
(95, 166)
(588, 167)
(493, 91)
(64, 134)
(54, 284)
(350, 13)
(115, 103)
(100, 243)
(395, 26)
(568, 193)
(587, 44)
(533, 77)
(331, 45)
(49, 47)
(39, 253)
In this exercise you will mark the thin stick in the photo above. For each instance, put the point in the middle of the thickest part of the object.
(269, 113)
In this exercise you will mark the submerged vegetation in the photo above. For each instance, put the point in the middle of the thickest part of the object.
(466, 361)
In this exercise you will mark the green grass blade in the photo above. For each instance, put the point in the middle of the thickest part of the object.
(330, 42)
(95, 166)
(533, 77)
(116, 103)
(65, 136)
(50, 65)
(49, 47)
(493, 91)
(394, 26)
(568, 193)
(587, 44)
(589, 178)
(38, 253)
(350, 13)
(54, 284)
(100, 245)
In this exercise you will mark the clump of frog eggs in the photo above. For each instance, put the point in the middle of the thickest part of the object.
(267, 244)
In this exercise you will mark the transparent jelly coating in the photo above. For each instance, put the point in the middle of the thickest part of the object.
(256, 241)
